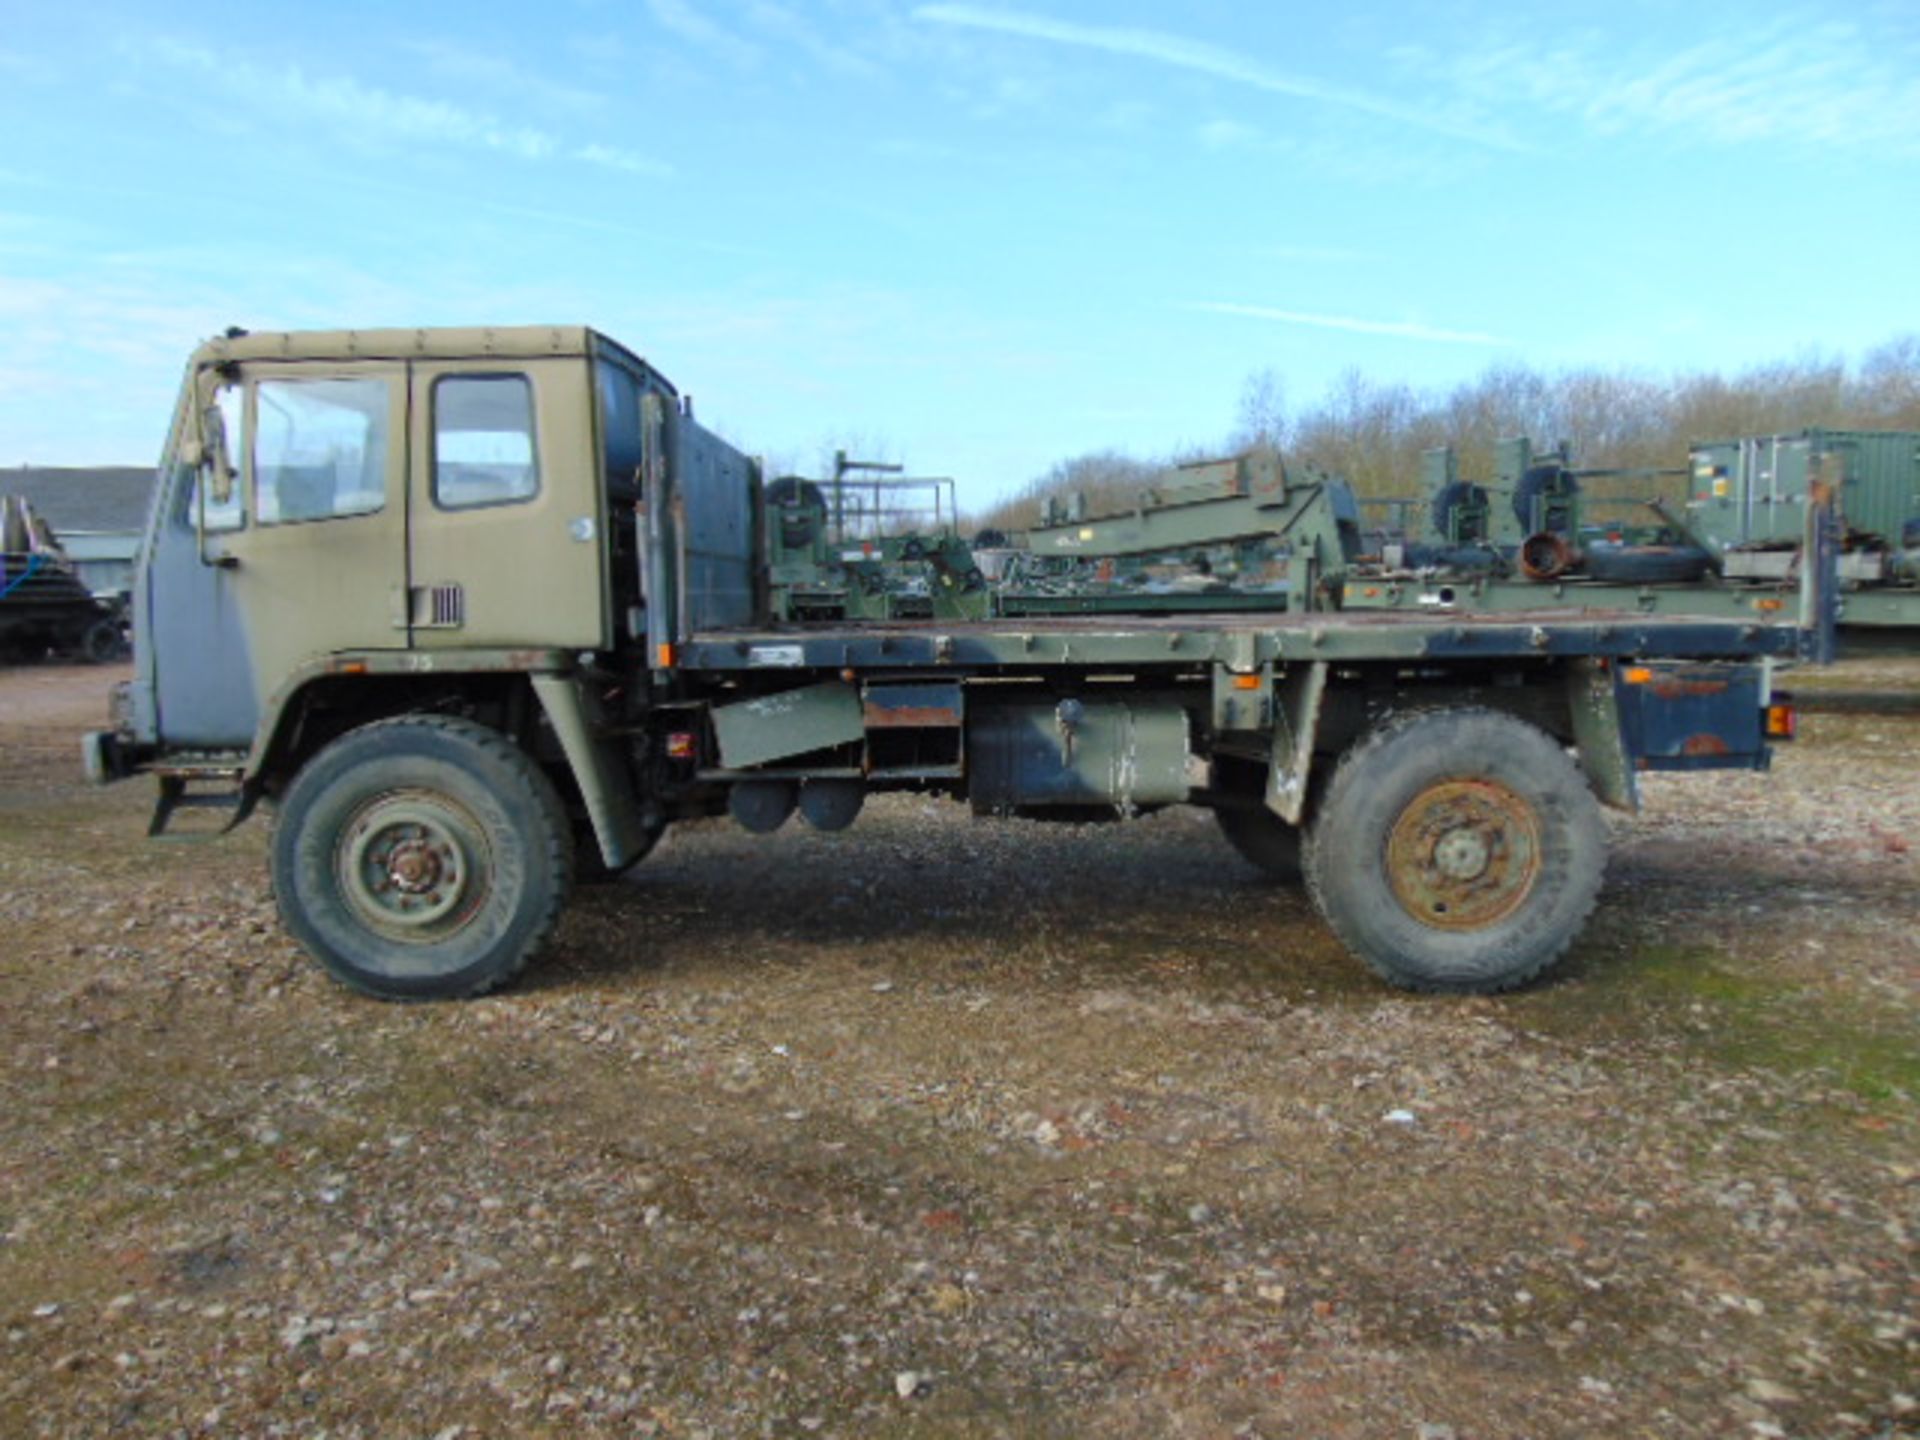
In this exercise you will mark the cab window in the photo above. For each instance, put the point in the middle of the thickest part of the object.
(320, 448)
(230, 513)
(483, 448)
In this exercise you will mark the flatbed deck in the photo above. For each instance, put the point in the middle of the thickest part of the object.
(1890, 607)
(1240, 641)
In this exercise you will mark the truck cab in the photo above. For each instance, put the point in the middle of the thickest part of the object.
(396, 494)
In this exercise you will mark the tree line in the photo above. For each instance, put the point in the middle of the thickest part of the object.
(1373, 432)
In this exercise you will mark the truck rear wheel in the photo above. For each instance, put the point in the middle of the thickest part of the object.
(422, 858)
(1264, 840)
(1457, 850)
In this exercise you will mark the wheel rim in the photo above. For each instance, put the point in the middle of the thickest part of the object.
(1464, 854)
(413, 865)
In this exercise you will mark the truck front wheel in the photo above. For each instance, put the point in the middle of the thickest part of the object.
(421, 858)
(1457, 850)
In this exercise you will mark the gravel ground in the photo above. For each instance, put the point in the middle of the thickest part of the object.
(944, 1127)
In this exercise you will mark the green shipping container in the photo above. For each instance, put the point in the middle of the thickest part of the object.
(1754, 491)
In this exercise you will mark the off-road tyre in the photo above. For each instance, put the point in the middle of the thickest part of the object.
(102, 642)
(1407, 812)
(1645, 564)
(421, 858)
(1264, 841)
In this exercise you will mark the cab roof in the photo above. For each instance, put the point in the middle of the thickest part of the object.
(453, 342)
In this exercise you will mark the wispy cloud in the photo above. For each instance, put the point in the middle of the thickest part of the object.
(1789, 80)
(372, 115)
(1182, 53)
(787, 28)
(681, 19)
(476, 69)
(1398, 329)
(612, 157)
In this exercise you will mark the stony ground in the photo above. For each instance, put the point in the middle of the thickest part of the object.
(944, 1128)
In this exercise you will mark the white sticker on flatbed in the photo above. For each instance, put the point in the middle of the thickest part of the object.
(788, 656)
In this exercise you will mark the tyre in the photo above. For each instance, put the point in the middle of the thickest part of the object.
(1645, 564)
(1557, 487)
(1264, 840)
(1457, 851)
(422, 858)
(1460, 559)
(102, 642)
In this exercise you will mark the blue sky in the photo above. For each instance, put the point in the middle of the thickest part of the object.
(976, 237)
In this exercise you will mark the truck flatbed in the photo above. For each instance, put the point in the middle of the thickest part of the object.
(1238, 640)
(1893, 607)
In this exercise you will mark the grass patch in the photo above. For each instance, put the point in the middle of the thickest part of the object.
(1740, 1018)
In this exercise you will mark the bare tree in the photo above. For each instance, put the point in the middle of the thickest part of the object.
(1372, 432)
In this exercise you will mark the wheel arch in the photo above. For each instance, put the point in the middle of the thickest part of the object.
(1323, 711)
(329, 698)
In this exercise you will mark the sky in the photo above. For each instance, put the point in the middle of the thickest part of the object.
(974, 238)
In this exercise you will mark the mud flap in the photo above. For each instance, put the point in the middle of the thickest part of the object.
(1296, 721)
(1600, 742)
(599, 768)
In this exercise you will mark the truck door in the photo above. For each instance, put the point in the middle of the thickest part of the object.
(306, 556)
(506, 539)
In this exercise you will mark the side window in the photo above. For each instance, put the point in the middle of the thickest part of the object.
(232, 513)
(619, 427)
(483, 451)
(320, 448)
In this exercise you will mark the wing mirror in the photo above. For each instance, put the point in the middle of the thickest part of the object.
(213, 457)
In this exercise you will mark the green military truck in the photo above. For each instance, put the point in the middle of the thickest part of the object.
(481, 612)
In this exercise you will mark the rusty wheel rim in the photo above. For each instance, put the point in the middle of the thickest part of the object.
(1464, 854)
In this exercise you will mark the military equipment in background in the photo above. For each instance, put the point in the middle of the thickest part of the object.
(486, 611)
(1735, 547)
(866, 545)
(1243, 533)
(45, 607)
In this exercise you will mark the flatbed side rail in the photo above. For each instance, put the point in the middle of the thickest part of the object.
(1229, 640)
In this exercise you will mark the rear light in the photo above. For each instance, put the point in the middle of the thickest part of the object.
(680, 745)
(1782, 720)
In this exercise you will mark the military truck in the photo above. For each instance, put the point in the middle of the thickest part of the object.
(483, 612)
(45, 607)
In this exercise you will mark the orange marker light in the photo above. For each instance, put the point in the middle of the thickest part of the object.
(1246, 682)
(1783, 722)
(663, 656)
(1637, 675)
